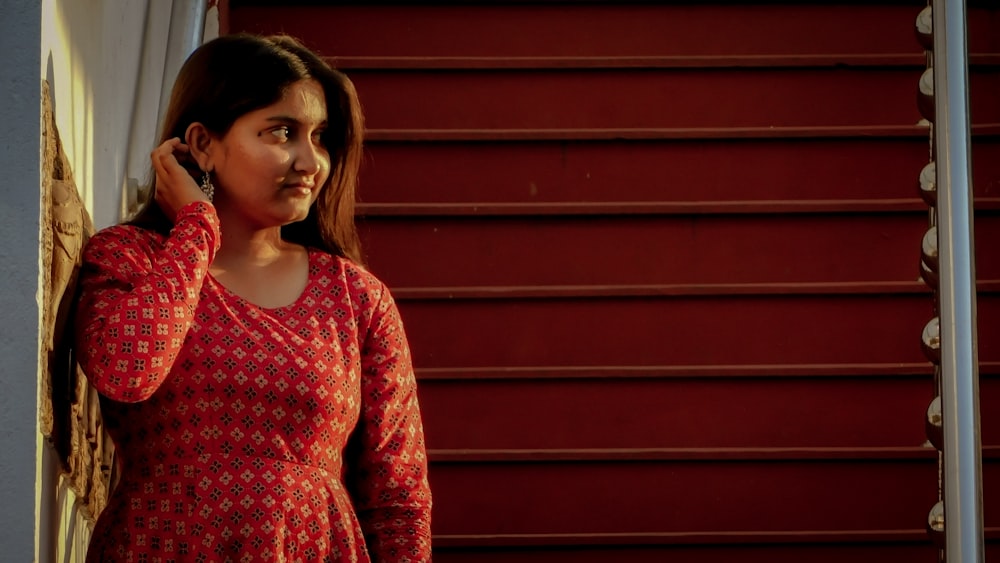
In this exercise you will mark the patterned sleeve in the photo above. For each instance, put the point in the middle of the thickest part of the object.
(137, 301)
(389, 477)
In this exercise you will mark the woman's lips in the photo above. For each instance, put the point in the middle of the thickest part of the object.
(300, 188)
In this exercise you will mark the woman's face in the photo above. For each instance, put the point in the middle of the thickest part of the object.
(270, 165)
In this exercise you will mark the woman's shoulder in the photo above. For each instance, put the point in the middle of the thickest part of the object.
(125, 238)
(355, 278)
(121, 250)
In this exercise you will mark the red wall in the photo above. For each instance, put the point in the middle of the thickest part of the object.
(659, 267)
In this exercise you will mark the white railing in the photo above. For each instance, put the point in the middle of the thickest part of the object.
(962, 456)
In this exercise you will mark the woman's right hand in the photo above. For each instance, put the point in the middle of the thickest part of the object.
(175, 187)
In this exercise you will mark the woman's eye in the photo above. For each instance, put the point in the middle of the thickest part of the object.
(282, 133)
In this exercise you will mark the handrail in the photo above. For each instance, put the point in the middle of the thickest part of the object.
(962, 455)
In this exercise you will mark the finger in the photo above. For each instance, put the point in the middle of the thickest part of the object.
(169, 143)
(162, 174)
(167, 159)
(158, 168)
(162, 166)
(164, 148)
(167, 147)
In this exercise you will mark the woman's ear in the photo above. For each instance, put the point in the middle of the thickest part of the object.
(201, 143)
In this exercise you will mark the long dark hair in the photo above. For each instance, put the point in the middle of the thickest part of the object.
(232, 75)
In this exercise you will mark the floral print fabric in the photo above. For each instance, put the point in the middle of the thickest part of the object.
(247, 433)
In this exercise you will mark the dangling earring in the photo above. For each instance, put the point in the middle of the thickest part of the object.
(207, 187)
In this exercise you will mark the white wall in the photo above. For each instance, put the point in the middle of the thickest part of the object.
(20, 280)
(107, 62)
(90, 54)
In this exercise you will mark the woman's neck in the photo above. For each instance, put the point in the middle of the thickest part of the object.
(260, 267)
(245, 248)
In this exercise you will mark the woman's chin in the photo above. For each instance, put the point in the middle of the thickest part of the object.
(287, 214)
(295, 217)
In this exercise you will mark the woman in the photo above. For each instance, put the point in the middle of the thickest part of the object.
(254, 377)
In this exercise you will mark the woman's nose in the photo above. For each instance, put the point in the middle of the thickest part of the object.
(309, 159)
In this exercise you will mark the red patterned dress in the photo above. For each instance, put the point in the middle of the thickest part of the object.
(246, 433)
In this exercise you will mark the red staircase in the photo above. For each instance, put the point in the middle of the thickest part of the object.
(659, 266)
